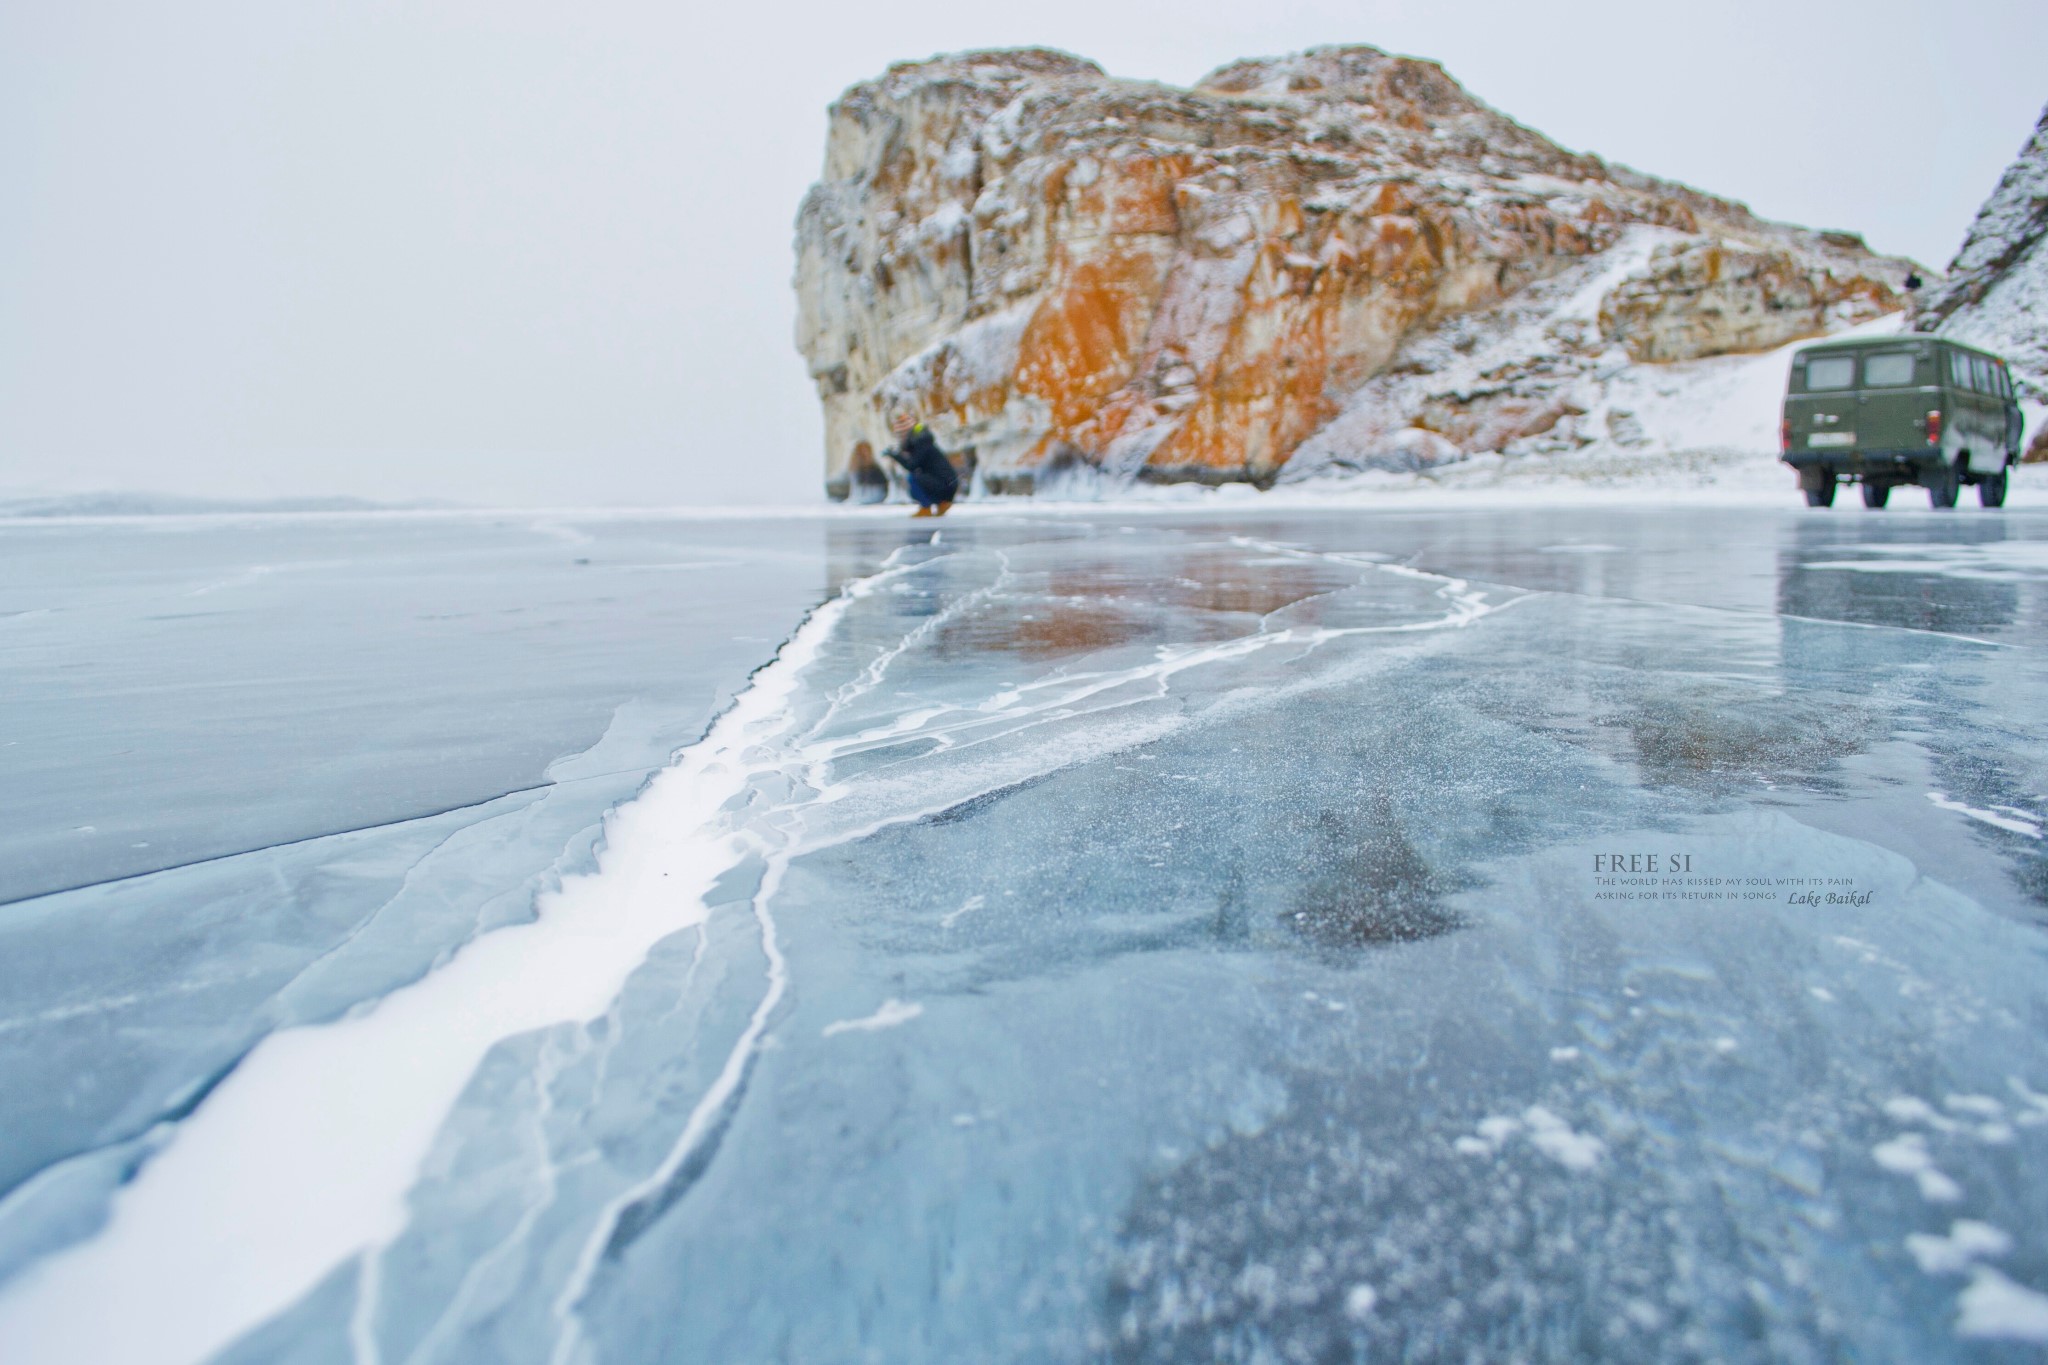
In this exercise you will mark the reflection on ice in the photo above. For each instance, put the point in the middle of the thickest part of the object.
(1971, 586)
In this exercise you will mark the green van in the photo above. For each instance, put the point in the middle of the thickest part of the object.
(1884, 411)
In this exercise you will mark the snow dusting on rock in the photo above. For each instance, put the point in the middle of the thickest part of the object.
(1996, 293)
(1333, 262)
(1997, 287)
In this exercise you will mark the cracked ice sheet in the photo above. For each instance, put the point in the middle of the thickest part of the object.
(188, 688)
(1200, 803)
(274, 712)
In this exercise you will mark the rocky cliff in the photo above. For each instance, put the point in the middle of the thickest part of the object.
(1996, 293)
(1336, 258)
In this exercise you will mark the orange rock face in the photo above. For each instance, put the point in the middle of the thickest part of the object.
(1065, 272)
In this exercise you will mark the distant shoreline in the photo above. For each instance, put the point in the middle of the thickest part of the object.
(1707, 478)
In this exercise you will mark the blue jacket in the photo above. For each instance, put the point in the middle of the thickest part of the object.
(926, 463)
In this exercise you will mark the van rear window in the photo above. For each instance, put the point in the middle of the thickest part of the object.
(1889, 370)
(1831, 372)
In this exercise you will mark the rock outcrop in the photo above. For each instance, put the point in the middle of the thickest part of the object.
(1291, 265)
(1996, 293)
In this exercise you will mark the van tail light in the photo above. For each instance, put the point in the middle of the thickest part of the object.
(1934, 428)
(1785, 435)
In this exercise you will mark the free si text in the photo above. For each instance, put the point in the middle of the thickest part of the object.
(1641, 862)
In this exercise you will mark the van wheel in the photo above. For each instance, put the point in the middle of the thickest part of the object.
(1876, 494)
(1942, 485)
(1823, 496)
(1991, 489)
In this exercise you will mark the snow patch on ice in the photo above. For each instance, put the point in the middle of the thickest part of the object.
(967, 907)
(2035, 1102)
(1967, 1240)
(1495, 1131)
(1907, 1154)
(1553, 1137)
(2015, 821)
(1910, 1109)
(1546, 1132)
(1993, 1306)
(891, 1013)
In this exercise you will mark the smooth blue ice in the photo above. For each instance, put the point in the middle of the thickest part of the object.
(1203, 938)
(257, 770)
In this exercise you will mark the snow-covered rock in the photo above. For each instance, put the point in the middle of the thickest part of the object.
(1996, 294)
(1338, 259)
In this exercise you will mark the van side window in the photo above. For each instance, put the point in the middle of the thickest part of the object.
(1889, 370)
(1831, 372)
(1958, 369)
(2004, 380)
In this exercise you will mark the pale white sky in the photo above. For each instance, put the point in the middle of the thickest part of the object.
(503, 251)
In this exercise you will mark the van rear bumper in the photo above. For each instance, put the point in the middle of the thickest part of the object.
(1894, 465)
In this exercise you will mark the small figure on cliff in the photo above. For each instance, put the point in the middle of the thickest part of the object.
(933, 483)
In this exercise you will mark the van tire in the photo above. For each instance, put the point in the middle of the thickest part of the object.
(1943, 484)
(1991, 489)
(1876, 494)
(1823, 496)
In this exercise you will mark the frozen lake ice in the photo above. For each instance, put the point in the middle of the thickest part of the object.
(257, 770)
(1561, 934)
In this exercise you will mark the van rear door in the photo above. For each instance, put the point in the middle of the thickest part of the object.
(1820, 405)
(1892, 401)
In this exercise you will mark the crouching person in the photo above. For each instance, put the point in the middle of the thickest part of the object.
(933, 484)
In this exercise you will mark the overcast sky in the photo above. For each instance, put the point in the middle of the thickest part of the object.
(500, 251)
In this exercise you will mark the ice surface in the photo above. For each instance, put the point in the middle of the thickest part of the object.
(1180, 938)
(311, 757)
(185, 688)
